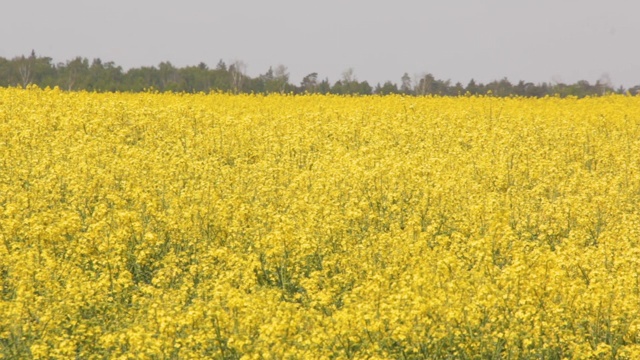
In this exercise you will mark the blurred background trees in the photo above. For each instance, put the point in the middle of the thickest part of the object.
(81, 74)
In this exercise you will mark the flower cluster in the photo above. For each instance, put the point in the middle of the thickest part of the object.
(166, 226)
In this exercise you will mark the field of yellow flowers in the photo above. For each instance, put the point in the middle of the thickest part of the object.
(166, 226)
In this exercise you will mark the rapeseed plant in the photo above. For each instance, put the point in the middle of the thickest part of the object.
(247, 226)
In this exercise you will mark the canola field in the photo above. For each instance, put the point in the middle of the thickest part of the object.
(175, 226)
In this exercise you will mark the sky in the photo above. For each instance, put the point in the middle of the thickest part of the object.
(537, 41)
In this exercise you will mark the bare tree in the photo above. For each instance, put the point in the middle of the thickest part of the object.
(604, 83)
(25, 68)
(348, 76)
(405, 88)
(281, 76)
(237, 70)
(424, 84)
(349, 82)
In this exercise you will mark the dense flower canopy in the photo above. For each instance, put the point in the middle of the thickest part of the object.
(248, 226)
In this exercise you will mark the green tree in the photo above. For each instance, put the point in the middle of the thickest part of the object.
(348, 84)
(78, 74)
(387, 88)
(275, 80)
(196, 78)
(74, 74)
(310, 83)
(364, 88)
(141, 79)
(500, 88)
(458, 89)
(634, 90)
(6, 72)
(324, 87)
(221, 65)
(170, 79)
(473, 88)
(221, 78)
(405, 86)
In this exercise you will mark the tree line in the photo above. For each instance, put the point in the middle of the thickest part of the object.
(97, 75)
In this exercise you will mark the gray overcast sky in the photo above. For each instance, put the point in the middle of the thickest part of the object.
(543, 40)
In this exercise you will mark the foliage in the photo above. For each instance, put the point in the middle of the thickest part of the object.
(81, 74)
(244, 226)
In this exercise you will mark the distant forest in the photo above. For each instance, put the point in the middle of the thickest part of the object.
(97, 75)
